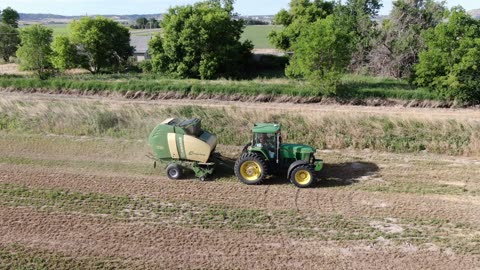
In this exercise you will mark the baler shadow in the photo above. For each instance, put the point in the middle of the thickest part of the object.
(224, 169)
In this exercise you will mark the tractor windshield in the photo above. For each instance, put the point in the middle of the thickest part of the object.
(266, 141)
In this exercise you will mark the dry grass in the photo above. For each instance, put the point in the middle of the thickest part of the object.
(12, 69)
(324, 130)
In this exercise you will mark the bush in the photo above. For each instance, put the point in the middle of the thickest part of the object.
(106, 121)
(451, 62)
(201, 41)
(35, 51)
(146, 66)
(322, 53)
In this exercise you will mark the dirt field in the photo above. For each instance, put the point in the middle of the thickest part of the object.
(97, 203)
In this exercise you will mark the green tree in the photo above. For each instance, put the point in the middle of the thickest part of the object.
(356, 16)
(322, 53)
(141, 22)
(301, 14)
(201, 41)
(64, 54)
(153, 23)
(9, 41)
(35, 51)
(401, 41)
(104, 43)
(10, 17)
(450, 64)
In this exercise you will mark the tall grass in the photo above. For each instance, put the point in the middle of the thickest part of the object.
(351, 87)
(333, 130)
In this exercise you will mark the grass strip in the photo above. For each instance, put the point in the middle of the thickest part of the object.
(22, 258)
(351, 87)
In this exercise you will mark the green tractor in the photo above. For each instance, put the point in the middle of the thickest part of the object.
(266, 154)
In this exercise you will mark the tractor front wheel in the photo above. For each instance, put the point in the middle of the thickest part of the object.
(303, 176)
(174, 171)
(250, 169)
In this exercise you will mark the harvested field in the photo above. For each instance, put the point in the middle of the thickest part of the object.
(96, 202)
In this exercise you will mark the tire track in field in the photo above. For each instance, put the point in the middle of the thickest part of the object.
(282, 197)
(155, 246)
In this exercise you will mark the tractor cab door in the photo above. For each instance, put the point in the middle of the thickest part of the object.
(268, 143)
(279, 144)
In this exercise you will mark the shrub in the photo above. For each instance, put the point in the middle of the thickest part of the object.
(451, 62)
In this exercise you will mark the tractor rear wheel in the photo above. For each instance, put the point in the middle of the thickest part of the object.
(250, 169)
(174, 171)
(303, 176)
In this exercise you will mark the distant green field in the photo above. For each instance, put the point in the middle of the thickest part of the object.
(144, 32)
(256, 33)
(58, 29)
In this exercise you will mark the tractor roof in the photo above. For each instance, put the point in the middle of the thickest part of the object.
(266, 128)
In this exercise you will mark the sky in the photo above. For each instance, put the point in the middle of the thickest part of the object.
(127, 7)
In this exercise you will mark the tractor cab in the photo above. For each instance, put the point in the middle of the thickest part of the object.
(267, 139)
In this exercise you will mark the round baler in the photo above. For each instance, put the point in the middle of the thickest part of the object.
(183, 144)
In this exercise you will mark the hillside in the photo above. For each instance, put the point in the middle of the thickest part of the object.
(26, 18)
(475, 13)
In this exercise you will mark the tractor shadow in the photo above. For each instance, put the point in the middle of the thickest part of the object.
(332, 175)
(345, 174)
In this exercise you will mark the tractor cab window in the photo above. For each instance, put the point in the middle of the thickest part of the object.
(266, 141)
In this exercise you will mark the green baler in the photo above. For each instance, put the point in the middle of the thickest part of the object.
(183, 144)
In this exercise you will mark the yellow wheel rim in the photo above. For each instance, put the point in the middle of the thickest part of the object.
(303, 177)
(250, 170)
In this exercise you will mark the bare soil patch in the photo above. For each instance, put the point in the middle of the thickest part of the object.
(150, 245)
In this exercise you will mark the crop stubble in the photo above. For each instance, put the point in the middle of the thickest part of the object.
(385, 191)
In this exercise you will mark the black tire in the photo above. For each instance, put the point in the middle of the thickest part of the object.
(303, 176)
(251, 169)
(174, 171)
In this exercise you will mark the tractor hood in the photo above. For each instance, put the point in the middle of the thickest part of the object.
(297, 149)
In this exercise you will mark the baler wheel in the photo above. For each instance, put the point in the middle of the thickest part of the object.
(174, 171)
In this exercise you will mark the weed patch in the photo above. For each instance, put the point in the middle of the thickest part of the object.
(19, 257)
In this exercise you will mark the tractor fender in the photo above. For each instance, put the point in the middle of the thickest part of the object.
(294, 165)
(259, 152)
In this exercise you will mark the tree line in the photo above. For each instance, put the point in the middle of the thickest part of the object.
(422, 41)
(94, 44)
(144, 23)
